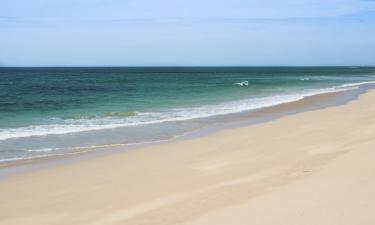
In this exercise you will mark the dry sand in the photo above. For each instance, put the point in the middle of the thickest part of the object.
(315, 167)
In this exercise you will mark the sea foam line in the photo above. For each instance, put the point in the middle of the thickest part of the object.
(76, 150)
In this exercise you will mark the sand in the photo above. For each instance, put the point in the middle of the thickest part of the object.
(315, 167)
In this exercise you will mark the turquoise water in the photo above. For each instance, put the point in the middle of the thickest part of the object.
(44, 110)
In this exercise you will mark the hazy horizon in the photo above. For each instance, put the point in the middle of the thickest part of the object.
(138, 33)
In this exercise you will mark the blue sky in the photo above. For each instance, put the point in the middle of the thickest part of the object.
(183, 33)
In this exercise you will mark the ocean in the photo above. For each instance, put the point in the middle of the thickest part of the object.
(53, 111)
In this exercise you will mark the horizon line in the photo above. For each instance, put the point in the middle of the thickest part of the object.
(190, 66)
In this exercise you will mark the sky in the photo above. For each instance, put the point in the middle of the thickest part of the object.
(187, 33)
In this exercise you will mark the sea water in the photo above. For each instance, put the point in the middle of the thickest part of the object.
(49, 111)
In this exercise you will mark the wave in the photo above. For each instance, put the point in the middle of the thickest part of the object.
(357, 84)
(77, 148)
(73, 150)
(40, 150)
(177, 114)
(242, 83)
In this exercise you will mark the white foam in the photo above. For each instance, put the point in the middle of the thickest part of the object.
(177, 114)
(242, 83)
(40, 150)
(357, 84)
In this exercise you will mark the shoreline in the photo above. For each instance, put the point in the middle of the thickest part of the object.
(231, 121)
(284, 167)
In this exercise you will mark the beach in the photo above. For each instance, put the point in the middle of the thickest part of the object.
(314, 167)
(187, 112)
